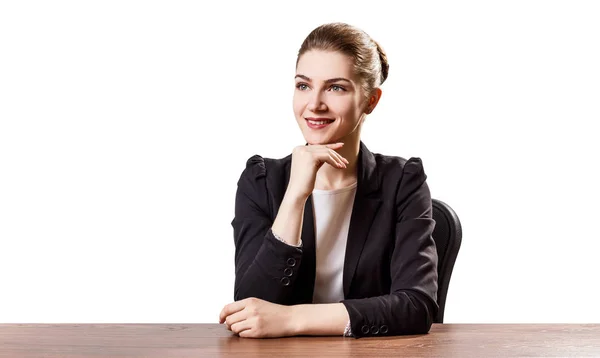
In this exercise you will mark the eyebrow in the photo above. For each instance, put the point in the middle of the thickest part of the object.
(327, 81)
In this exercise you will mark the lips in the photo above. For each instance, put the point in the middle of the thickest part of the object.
(319, 122)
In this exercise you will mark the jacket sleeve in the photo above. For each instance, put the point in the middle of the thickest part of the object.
(412, 303)
(265, 267)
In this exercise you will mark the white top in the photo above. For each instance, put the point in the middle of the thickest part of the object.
(332, 210)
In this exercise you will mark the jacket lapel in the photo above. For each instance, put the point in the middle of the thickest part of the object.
(308, 269)
(364, 210)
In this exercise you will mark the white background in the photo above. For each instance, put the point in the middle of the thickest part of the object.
(124, 127)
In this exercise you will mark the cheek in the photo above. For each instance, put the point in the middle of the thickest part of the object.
(344, 107)
(297, 105)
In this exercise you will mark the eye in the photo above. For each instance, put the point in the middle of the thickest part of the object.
(302, 86)
(337, 88)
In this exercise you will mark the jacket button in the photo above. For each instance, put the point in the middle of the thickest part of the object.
(383, 329)
(365, 329)
(285, 281)
(288, 272)
(291, 262)
(374, 330)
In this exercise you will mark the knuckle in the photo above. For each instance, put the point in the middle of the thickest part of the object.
(251, 309)
(259, 321)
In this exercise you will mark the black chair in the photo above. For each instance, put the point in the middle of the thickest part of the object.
(447, 235)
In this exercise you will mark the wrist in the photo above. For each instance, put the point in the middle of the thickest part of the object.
(297, 325)
(294, 199)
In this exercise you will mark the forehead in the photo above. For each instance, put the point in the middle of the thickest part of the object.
(323, 65)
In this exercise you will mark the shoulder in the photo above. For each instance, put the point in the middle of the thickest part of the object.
(258, 167)
(405, 178)
(399, 168)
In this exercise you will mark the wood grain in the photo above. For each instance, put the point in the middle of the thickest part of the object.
(213, 340)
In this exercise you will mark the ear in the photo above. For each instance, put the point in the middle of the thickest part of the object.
(373, 100)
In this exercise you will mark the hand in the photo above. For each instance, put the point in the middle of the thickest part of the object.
(306, 161)
(256, 318)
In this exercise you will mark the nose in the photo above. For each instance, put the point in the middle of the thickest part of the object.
(315, 103)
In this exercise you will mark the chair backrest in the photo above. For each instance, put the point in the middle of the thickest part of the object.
(447, 235)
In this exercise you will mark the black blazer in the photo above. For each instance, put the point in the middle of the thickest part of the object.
(390, 267)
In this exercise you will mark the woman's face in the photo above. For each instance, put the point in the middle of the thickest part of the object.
(329, 103)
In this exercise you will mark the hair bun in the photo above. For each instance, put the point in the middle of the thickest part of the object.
(385, 66)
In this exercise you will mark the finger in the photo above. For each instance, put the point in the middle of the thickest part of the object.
(320, 147)
(236, 317)
(339, 157)
(342, 159)
(224, 313)
(221, 314)
(241, 326)
(247, 333)
(231, 309)
(335, 145)
(332, 160)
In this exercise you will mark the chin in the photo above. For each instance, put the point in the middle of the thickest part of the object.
(325, 138)
(316, 140)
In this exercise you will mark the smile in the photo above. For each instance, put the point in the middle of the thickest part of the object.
(318, 123)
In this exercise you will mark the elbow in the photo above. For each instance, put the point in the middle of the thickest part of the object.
(418, 315)
(424, 313)
(422, 323)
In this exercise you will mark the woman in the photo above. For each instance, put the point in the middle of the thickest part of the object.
(333, 239)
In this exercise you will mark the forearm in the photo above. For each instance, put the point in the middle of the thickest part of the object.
(270, 273)
(320, 319)
(288, 223)
(397, 313)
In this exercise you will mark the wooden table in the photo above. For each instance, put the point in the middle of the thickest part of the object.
(213, 340)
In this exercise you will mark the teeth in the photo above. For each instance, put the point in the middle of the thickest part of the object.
(318, 122)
